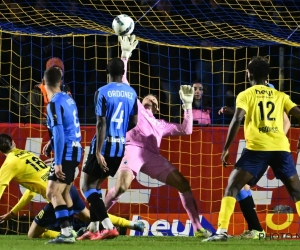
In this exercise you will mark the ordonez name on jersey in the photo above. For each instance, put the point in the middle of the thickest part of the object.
(122, 93)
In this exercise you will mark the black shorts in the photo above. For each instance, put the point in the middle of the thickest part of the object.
(92, 168)
(68, 168)
(46, 217)
(257, 162)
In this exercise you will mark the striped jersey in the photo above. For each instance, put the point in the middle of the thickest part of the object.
(63, 123)
(117, 102)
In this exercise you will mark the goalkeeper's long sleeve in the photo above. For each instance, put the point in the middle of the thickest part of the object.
(185, 128)
(124, 79)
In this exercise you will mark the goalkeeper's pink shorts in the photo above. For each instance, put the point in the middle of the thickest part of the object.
(137, 159)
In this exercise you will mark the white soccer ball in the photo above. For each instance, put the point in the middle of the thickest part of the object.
(123, 25)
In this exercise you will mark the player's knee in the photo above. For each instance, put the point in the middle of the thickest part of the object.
(84, 188)
(121, 189)
(183, 185)
(49, 194)
(31, 235)
(247, 187)
(52, 194)
(232, 191)
(295, 194)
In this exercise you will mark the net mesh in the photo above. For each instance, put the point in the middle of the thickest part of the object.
(180, 41)
(179, 23)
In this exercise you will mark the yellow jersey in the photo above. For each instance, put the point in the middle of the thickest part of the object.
(263, 125)
(26, 169)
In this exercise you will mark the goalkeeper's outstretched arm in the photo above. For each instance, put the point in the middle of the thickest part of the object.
(124, 78)
(128, 44)
(186, 93)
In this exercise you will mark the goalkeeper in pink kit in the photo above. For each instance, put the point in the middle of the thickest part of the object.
(142, 148)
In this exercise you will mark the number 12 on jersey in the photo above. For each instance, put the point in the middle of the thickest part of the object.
(119, 113)
(270, 106)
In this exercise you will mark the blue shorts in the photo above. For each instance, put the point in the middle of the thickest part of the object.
(46, 217)
(257, 162)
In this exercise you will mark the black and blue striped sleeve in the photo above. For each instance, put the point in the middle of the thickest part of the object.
(100, 104)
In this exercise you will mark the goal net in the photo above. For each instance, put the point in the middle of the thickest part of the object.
(180, 42)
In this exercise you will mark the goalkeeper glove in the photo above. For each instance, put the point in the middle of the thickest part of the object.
(186, 93)
(128, 44)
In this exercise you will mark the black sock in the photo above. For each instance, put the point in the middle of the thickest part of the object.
(250, 215)
(62, 215)
(71, 215)
(100, 196)
(97, 206)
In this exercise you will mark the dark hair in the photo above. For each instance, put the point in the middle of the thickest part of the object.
(52, 77)
(205, 99)
(196, 81)
(5, 143)
(115, 67)
(259, 69)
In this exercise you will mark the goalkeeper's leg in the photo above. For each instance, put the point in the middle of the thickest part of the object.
(159, 168)
(124, 179)
(130, 166)
(177, 180)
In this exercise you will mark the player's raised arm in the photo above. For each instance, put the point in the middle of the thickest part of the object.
(128, 44)
(186, 93)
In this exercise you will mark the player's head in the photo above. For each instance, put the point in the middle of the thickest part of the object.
(6, 143)
(258, 70)
(115, 69)
(56, 63)
(52, 78)
(198, 89)
(151, 102)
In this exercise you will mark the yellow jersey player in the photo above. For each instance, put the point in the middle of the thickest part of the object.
(266, 142)
(28, 170)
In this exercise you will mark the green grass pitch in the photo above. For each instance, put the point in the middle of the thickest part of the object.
(8, 242)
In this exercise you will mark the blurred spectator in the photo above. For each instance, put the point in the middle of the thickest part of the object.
(38, 99)
(201, 105)
(213, 71)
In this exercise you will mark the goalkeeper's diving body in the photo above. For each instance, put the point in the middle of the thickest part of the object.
(266, 142)
(31, 172)
(142, 148)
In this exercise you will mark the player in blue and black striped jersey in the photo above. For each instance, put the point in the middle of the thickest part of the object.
(64, 126)
(116, 111)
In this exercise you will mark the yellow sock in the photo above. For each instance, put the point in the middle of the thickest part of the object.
(50, 234)
(298, 207)
(118, 221)
(227, 208)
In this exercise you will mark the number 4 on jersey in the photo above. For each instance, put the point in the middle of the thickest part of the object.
(120, 119)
